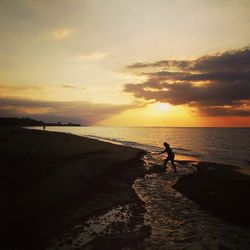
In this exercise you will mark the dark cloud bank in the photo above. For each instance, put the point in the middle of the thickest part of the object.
(217, 85)
(50, 111)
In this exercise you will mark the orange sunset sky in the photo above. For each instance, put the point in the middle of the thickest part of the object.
(126, 63)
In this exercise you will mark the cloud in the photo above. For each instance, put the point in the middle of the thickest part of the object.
(238, 59)
(52, 111)
(67, 86)
(164, 63)
(226, 111)
(14, 87)
(60, 33)
(95, 56)
(216, 85)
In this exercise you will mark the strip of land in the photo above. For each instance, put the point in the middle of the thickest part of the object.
(52, 181)
(220, 189)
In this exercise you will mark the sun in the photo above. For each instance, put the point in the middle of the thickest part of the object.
(162, 107)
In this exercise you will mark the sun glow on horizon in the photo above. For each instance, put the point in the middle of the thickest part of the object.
(162, 107)
(156, 114)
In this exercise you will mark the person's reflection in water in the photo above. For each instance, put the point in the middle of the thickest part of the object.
(170, 157)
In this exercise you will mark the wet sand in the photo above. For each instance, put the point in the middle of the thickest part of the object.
(222, 190)
(52, 182)
(176, 220)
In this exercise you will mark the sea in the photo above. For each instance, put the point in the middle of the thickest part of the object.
(219, 145)
(175, 222)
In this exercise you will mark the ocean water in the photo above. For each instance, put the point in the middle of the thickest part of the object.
(221, 145)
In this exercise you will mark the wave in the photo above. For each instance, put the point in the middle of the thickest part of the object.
(182, 149)
(132, 144)
(146, 147)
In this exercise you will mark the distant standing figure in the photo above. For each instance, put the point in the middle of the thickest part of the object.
(43, 127)
(170, 157)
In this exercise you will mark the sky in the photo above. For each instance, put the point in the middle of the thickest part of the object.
(126, 63)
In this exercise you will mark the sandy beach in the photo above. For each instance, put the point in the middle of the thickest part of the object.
(56, 185)
(51, 182)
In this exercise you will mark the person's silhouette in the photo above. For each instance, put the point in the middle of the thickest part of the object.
(170, 157)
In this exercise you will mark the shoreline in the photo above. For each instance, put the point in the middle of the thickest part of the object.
(54, 181)
(180, 155)
(220, 189)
